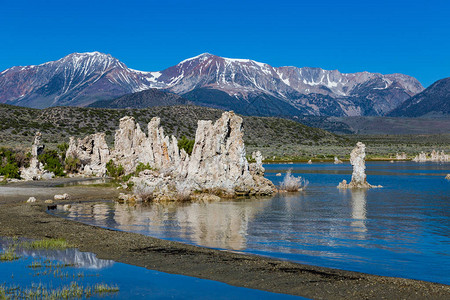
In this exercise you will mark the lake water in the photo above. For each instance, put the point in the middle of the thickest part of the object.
(401, 230)
(61, 268)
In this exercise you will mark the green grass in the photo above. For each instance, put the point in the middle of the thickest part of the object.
(9, 255)
(72, 291)
(48, 244)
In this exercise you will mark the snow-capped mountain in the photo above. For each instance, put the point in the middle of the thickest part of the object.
(77, 79)
(244, 85)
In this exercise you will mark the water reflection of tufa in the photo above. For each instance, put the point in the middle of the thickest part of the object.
(71, 256)
(359, 203)
(216, 225)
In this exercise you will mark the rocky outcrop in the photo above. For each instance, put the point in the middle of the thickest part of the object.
(36, 169)
(400, 156)
(93, 153)
(358, 161)
(217, 164)
(132, 146)
(447, 177)
(434, 156)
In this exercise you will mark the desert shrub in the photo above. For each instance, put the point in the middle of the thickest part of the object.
(62, 150)
(9, 166)
(186, 144)
(141, 167)
(72, 164)
(114, 171)
(291, 183)
(52, 162)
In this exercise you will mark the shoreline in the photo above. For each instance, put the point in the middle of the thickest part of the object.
(18, 218)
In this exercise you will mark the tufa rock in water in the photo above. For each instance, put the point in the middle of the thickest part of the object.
(337, 161)
(217, 164)
(93, 153)
(447, 177)
(309, 162)
(357, 159)
(257, 167)
(401, 156)
(434, 156)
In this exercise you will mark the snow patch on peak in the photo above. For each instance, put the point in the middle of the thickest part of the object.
(202, 56)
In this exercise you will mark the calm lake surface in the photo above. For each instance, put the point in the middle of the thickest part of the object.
(61, 268)
(401, 230)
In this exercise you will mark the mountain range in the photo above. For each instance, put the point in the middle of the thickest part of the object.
(243, 85)
(432, 102)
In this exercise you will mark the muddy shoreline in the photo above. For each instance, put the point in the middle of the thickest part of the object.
(31, 220)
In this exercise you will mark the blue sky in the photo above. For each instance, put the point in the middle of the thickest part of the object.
(411, 37)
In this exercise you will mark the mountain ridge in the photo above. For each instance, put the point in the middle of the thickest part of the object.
(79, 79)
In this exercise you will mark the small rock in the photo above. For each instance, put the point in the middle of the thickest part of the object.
(49, 201)
(64, 196)
(31, 200)
(309, 162)
(47, 176)
(447, 177)
(278, 174)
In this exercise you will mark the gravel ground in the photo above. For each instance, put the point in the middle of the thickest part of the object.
(18, 218)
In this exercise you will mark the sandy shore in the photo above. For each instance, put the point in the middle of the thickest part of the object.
(31, 220)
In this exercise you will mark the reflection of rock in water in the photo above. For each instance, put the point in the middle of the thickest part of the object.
(98, 212)
(359, 202)
(68, 256)
(218, 225)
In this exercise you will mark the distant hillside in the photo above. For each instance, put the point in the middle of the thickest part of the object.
(378, 125)
(18, 125)
(432, 102)
(143, 99)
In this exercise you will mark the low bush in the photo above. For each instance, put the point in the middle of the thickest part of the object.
(52, 162)
(186, 144)
(114, 171)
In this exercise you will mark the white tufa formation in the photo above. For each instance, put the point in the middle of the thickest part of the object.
(93, 153)
(217, 163)
(434, 156)
(337, 160)
(401, 156)
(36, 170)
(357, 159)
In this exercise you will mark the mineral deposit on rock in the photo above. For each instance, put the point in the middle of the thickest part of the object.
(357, 159)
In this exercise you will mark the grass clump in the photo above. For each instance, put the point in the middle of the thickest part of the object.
(9, 255)
(49, 244)
(291, 183)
